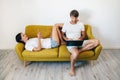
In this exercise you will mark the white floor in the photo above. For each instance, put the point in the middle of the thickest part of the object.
(107, 67)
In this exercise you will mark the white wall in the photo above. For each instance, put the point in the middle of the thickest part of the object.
(103, 15)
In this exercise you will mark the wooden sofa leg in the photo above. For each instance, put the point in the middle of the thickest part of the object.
(92, 62)
(25, 63)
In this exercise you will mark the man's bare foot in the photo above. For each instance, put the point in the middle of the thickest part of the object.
(72, 73)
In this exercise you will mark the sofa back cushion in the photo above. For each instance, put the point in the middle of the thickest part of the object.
(32, 30)
(88, 31)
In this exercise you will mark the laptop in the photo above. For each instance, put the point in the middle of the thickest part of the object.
(74, 43)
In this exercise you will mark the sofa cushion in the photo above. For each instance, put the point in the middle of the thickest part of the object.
(45, 53)
(32, 30)
(64, 53)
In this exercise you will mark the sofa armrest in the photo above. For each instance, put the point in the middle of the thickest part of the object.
(19, 48)
(98, 49)
(89, 33)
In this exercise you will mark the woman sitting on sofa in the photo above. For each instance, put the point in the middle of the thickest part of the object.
(36, 44)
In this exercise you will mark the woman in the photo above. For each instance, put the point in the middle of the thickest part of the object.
(36, 44)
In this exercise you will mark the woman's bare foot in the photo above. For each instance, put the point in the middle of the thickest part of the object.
(63, 42)
(72, 73)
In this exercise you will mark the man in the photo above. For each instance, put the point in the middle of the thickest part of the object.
(36, 44)
(74, 30)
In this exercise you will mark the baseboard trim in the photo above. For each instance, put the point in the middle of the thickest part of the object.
(118, 47)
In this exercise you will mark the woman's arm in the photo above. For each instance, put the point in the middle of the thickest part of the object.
(39, 43)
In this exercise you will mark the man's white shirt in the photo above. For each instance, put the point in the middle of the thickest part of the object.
(73, 31)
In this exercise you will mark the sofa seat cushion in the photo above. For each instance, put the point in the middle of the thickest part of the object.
(64, 53)
(44, 53)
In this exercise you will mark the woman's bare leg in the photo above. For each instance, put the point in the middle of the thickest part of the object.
(55, 35)
(60, 36)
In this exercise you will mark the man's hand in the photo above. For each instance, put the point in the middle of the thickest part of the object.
(80, 38)
(39, 35)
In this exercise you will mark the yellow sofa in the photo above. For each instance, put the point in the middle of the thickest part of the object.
(57, 54)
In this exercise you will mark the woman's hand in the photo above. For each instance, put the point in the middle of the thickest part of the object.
(39, 35)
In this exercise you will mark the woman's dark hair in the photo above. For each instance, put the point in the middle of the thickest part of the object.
(74, 13)
(18, 38)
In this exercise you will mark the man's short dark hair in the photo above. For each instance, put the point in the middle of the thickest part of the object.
(18, 38)
(74, 13)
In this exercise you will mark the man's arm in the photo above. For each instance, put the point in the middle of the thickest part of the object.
(82, 35)
(60, 25)
(64, 37)
(39, 43)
